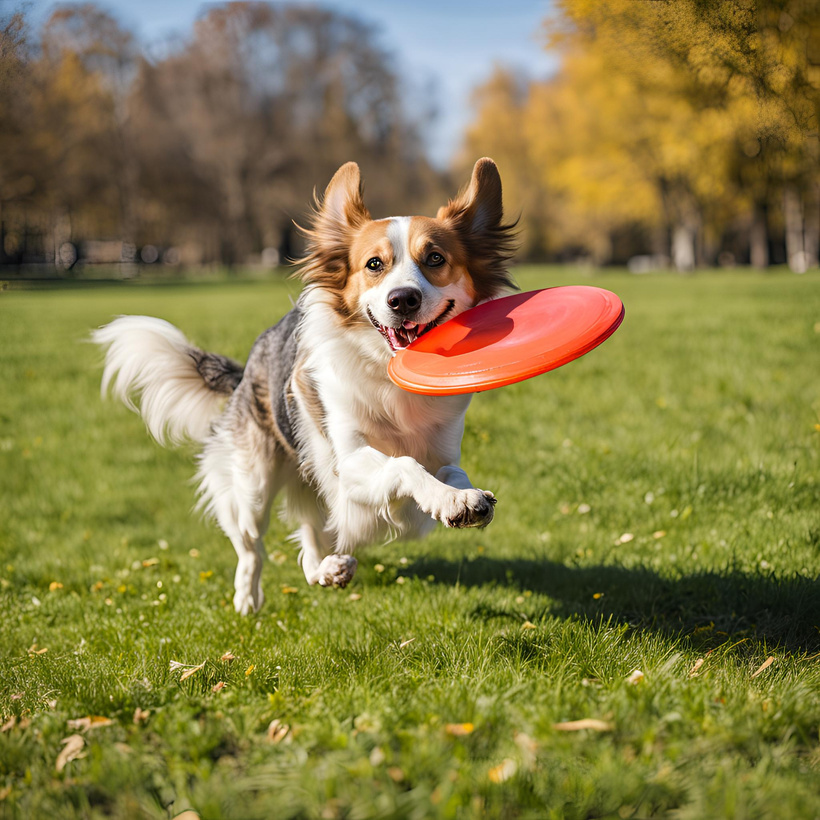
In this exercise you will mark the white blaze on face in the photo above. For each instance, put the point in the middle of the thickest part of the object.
(405, 273)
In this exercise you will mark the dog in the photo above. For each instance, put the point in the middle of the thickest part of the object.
(313, 412)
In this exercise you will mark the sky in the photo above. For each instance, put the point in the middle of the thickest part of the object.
(445, 49)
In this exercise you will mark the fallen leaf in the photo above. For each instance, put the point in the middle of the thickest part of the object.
(764, 666)
(218, 687)
(228, 657)
(503, 771)
(528, 748)
(693, 672)
(192, 671)
(9, 724)
(635, 677)
(83, 724)
(406, 643)
(141, 715)
(72, 747)
(5, 792)
(459, 729)
(585, 723)
(277, 731)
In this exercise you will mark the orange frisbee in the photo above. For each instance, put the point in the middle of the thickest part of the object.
(507, 340)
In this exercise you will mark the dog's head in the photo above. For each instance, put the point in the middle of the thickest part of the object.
(404, 275)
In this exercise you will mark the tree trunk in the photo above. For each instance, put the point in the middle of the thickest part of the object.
(683, 248)
(759, 238)
(811, 238)
(793, 218)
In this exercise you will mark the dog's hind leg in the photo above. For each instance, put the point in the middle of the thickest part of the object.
(240, 475)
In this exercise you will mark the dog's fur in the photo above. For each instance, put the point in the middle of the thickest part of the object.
(313, 411)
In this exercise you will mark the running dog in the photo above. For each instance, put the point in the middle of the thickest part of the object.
(313, 412)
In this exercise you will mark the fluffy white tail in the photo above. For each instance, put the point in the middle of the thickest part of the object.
(177, 389)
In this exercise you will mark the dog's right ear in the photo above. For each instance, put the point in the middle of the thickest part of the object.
(340, 211)
(343, 203)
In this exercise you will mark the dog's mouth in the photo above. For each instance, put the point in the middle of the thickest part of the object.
(401, 337)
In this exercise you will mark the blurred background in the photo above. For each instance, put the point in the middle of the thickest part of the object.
(153, 138)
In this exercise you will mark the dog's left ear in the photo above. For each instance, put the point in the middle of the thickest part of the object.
(479, 206)
(477, 213)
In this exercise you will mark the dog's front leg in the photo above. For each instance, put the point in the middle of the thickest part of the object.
(371, 478)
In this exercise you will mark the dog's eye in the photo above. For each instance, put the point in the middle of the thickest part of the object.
(435, 260)
(375, 264)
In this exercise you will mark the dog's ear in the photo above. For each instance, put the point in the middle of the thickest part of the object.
(337, 214)
(477, 213)
(343, 202)
(479, 206)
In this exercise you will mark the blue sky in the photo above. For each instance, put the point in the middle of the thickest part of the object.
(447, 46)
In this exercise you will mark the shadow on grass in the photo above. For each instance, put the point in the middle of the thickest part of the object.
(708, 607)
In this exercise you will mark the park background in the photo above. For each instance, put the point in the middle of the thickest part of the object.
(638, 632)
(667, 134)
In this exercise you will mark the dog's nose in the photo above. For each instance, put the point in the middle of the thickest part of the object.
(404, 300)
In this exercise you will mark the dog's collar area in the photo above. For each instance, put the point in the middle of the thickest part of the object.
(401, 337)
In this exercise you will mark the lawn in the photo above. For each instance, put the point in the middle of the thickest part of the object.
(652, 570)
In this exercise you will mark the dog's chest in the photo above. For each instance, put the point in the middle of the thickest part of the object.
(402, 424)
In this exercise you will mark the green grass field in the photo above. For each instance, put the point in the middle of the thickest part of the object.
(659, 510)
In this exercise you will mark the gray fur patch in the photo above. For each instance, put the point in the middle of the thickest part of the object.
(221, 374)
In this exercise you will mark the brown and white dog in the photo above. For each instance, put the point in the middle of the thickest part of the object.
(313, 411)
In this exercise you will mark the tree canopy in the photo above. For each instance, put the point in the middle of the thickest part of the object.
(686, 128)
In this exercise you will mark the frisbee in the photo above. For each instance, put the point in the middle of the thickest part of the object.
(507, 340)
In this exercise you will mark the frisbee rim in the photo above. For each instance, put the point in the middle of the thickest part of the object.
(502, 379)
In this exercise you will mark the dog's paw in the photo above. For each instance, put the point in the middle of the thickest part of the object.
(246, 601)
(469, 508)
(336, 570)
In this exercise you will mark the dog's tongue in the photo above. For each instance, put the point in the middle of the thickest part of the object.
(401, 337)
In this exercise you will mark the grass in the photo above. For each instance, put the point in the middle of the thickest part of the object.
(658, 509)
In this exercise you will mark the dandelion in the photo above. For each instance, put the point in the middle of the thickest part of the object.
(504, 771)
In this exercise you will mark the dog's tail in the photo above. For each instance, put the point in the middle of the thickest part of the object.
(176, 388)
